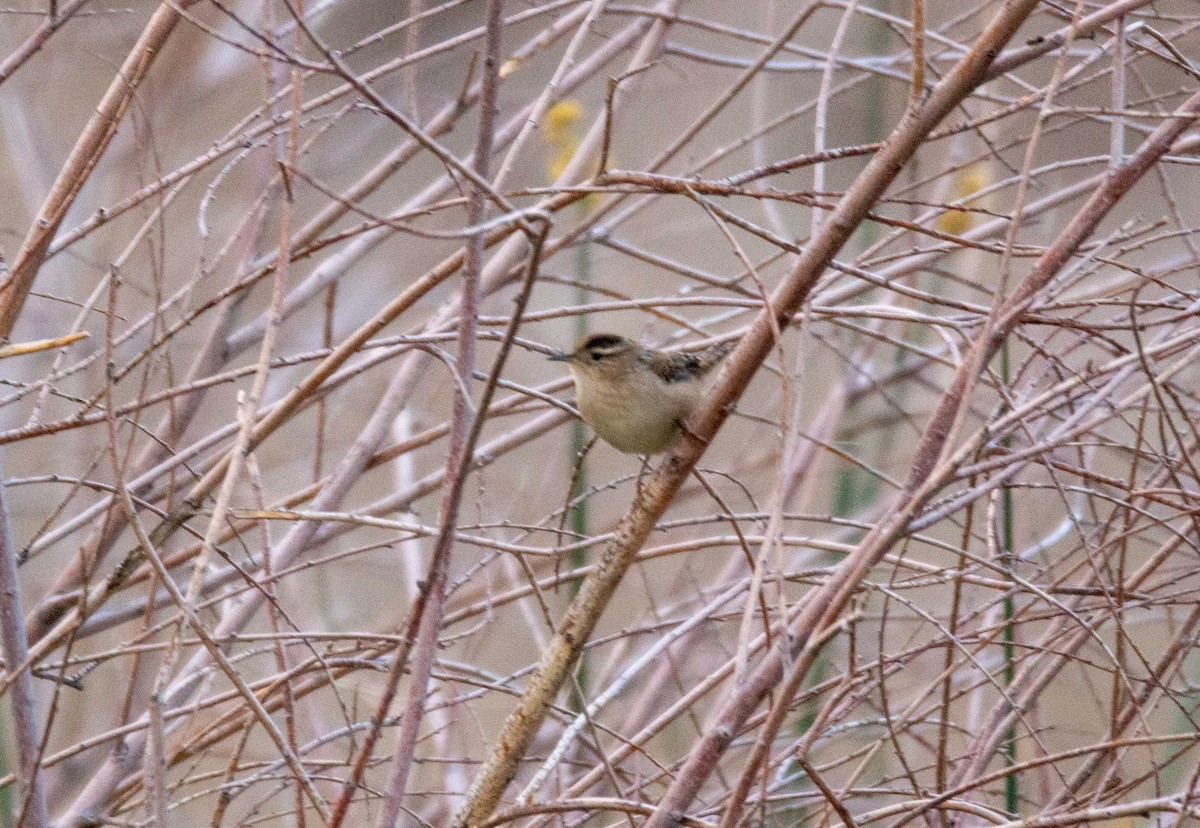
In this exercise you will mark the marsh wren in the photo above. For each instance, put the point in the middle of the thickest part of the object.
(636, 398)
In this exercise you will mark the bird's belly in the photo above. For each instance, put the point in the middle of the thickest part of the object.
(614, 418)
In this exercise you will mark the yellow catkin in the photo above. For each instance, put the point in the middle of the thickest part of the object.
(968, 181)
(558, 130)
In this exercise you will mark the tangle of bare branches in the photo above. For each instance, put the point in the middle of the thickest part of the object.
(299, 527)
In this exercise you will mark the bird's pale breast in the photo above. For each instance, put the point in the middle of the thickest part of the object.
(636, 420)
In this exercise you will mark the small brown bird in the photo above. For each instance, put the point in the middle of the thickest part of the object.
(638, 398)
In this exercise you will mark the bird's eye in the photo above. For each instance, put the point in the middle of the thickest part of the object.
(595, 356)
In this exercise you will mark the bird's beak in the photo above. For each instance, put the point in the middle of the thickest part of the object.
(560, 356)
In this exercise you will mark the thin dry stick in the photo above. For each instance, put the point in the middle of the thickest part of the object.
(929, 470)
(1079, 400)
(658, 490)
(20, 348)
(34, 43)
(275, 416)
(463, 432)
(214, 650)
(211, 646)
(92, 143)
(106, 529)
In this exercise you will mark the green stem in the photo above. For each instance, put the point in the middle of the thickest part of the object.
(578, 517)
(6, 793)
(1011, 792)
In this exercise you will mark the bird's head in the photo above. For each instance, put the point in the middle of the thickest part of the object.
(601, 355)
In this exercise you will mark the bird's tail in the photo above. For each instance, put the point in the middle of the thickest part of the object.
(714, 353)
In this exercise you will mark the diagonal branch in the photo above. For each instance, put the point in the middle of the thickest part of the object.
(928, 474)
(659, 489)
(92, 144)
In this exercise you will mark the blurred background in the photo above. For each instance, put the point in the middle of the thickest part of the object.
(266, 259)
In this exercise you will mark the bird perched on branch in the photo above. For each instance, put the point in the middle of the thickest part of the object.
(638, 399)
